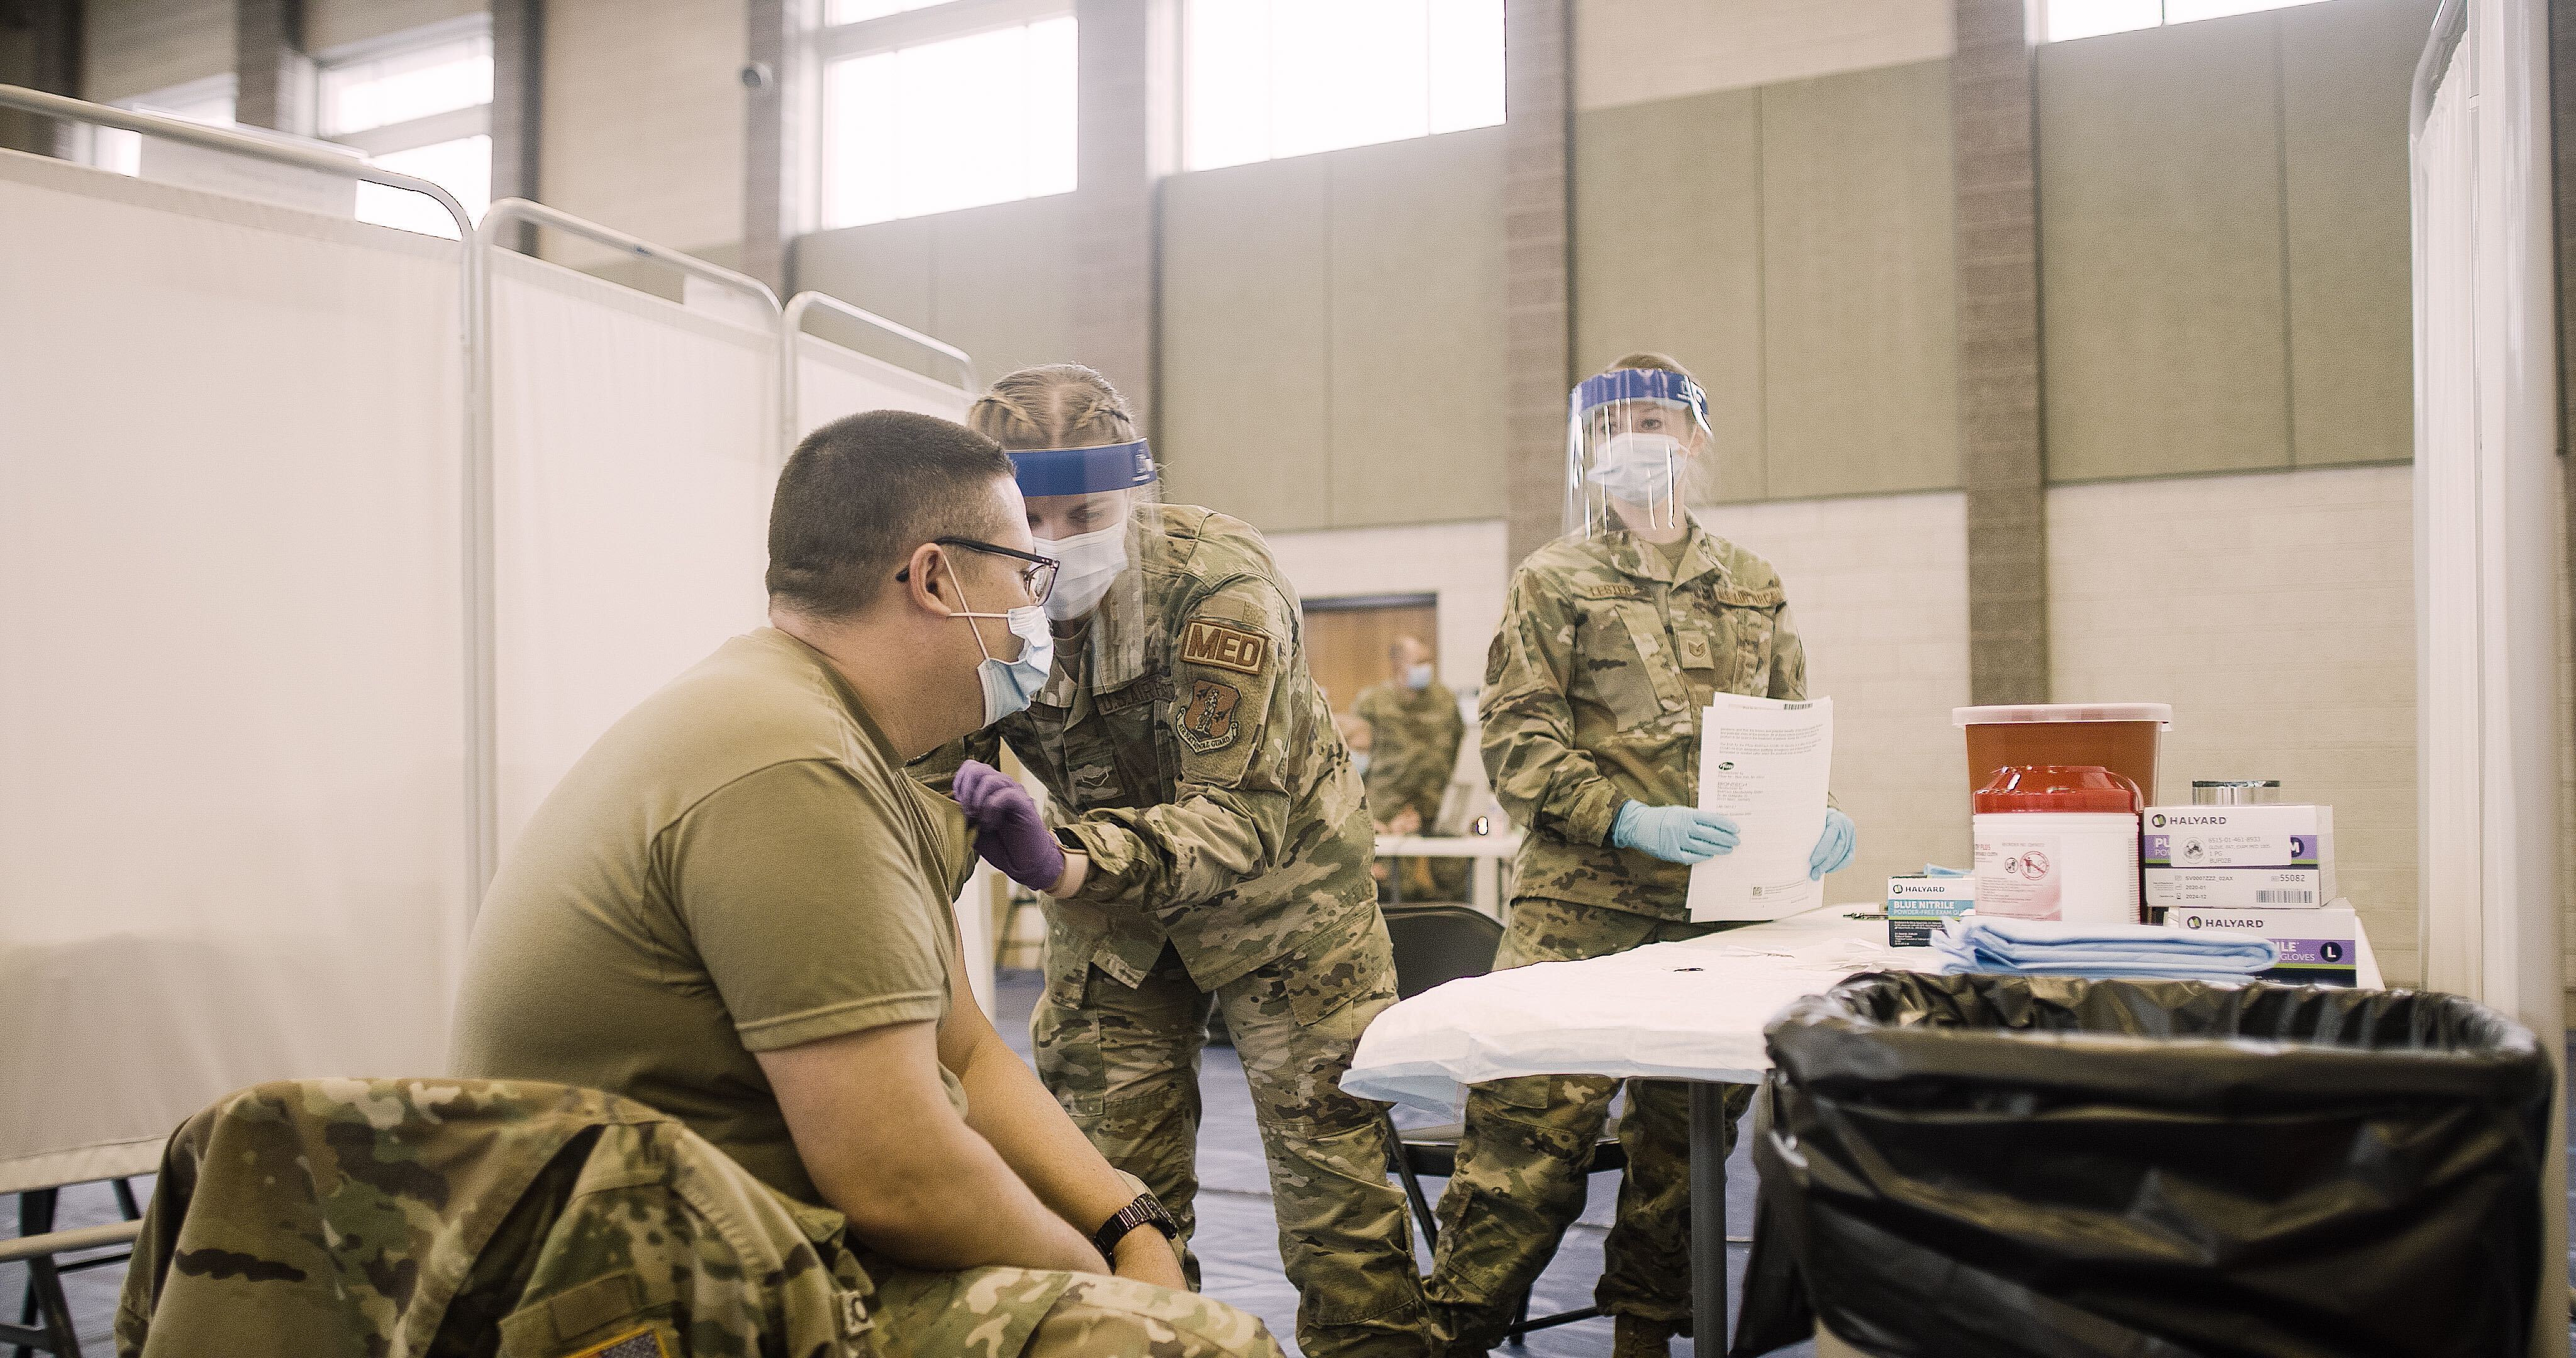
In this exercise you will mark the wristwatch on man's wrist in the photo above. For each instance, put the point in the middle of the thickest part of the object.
(1144, 1211)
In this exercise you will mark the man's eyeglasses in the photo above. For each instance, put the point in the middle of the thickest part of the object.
(1037, 575)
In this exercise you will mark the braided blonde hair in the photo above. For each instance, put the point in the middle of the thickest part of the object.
(1053, 405)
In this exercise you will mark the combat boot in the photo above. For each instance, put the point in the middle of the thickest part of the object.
(1639, 1337)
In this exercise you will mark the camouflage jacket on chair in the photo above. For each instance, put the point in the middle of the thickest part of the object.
(1186, 749)
(457, 1218)
(1593, 692)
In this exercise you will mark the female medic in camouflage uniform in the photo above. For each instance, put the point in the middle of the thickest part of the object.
(1613, 639)
(1209, 846)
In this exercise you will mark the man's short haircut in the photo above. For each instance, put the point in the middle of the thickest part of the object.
(859, 494)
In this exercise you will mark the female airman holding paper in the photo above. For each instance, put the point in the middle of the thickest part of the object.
(1614, 638)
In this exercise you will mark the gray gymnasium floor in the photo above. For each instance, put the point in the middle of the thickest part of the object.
(1237, 1243)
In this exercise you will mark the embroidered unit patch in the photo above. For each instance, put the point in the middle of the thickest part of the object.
(1239, 649)
(1207, 724)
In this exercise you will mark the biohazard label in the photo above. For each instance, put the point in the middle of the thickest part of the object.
(2018, 877)
(1227, 648)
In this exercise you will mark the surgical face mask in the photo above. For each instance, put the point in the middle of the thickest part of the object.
(1637, 468)
(1009, 685)
(1091, 562)
(1418, 677)
(1360, 762)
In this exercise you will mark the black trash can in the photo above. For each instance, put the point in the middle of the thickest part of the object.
(2003, 1166)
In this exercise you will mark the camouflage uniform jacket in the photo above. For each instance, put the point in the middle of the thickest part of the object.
(1414, 735)
(1592, 698)
(1185, 748)
(448, 1218)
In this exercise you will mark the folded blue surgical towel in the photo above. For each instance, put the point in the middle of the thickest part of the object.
(2026, 947)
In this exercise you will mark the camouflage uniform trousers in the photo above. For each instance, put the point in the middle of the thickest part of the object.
(1124, 1063)
(464, 1218)
(1520, 1177)
(974, 1314)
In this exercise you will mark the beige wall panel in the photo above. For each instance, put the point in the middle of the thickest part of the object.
(2347, 69)
(337, 23)
(131, 47)
(1002, 284)
(2160, 251)
(1417, 276)
(1668, 255)
(1634, 51)
(1461, 565)
(1860, 342)
(884, 267)
(995, 281)
(644, 120)
(1245, 417)
(1879, 587)
(2294, 657)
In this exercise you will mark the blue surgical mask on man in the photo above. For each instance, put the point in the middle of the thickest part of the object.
(1010, 685)
(1418, 676)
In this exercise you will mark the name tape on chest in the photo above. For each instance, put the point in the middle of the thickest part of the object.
(1223, 647)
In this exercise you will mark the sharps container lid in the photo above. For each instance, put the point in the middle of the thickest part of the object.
(2017, 713)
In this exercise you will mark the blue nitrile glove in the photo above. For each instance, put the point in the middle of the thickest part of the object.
(1675, 834)
(1834, 847)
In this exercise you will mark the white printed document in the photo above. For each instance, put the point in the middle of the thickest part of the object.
(1766, 765)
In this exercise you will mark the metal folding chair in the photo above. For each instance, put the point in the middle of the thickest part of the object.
(1434, 944)
(44, 1316)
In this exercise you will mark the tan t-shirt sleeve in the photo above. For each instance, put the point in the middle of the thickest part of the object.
(804, 894)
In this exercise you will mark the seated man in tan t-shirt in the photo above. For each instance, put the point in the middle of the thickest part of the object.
(735, 908)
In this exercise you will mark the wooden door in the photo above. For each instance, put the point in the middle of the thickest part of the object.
(1347, 639)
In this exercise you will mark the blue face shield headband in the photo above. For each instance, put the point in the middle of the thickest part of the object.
(1632, 384)
(1084, 471)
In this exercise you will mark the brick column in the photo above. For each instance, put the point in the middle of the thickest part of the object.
(273, 76)
(518, 96)
(2002, 455)
(1537, 266)
(1126, 58)
(771, 79)
(40, 48)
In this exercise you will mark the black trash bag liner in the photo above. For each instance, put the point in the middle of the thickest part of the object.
(2006, 1165)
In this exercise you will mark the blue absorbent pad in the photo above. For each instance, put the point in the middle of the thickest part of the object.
(1990, 943)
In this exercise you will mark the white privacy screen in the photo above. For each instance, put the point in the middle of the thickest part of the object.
(232, 812)
(832, 382)
(633, 451)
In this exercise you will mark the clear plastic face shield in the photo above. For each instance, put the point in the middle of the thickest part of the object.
(1091, 509)
(1637, 454)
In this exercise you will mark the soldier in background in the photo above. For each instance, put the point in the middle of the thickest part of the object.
(1414, 730)
(1210, 846)
(1613, 639)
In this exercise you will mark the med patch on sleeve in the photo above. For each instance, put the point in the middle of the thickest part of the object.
(1221, 646)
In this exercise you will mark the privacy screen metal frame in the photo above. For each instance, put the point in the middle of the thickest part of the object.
(481, 713)
(499, 223)
(790, 347)
(475, 244)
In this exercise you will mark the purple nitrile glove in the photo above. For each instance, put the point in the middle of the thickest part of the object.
(1008, 832)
